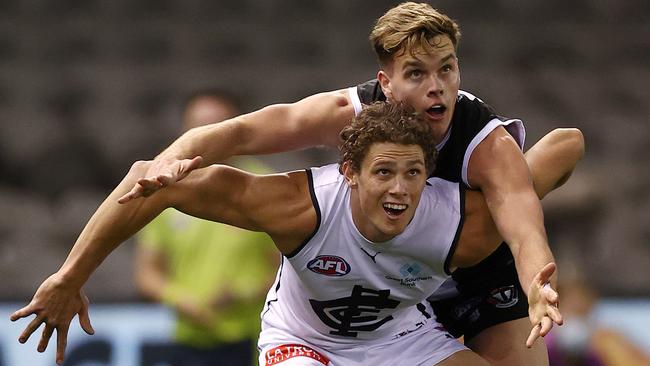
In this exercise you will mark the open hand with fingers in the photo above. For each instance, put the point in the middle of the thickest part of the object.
(543, 303)
(55, 304)
(160, 173)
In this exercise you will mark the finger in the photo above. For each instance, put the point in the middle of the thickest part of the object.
(134, 193)
(193, 164)
(187, 166)
(167, 179)
(551, 295)
(534, 334)
(45, 338)
(546, 273)
(555, 315)
(84, 318)
(31, 328)
(22, 313)
(149, 184)
(61, 343)
(547, 324)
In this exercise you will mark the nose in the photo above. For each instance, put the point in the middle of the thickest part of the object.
(398, 188)
(435, 87)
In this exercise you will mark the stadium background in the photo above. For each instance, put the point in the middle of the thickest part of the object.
(89, 86)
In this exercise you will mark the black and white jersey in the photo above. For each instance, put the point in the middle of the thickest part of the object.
(472, 121)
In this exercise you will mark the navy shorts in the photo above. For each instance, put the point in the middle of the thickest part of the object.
(489, 294)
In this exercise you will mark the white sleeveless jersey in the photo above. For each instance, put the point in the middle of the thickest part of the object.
(339, 288)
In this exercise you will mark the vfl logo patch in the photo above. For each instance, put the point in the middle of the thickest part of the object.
(329, 265)
(504, 297)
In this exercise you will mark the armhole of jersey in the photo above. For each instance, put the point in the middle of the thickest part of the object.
(354, 98)
(461, 222)
(515, 127)
(314, 200)
(278, 279)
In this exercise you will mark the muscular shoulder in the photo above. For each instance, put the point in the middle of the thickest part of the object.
(495, 155)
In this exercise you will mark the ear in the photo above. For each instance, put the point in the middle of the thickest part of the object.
(384, 82)
(349, 174)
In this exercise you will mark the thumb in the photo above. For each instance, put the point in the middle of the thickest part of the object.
(545, 274)
(84, 317)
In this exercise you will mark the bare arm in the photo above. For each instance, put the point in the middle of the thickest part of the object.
(313, 121)
(218, 193)
(499, 169)
(551, 162)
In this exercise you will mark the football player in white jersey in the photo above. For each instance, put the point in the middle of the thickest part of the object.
(417, 50)
(382, 193)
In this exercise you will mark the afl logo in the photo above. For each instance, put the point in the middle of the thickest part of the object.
(329, 265)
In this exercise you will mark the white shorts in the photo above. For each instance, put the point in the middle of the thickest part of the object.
(422, 348)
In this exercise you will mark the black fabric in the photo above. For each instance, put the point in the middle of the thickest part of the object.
(490, 294)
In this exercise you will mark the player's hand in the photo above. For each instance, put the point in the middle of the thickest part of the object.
(54, 304)
(161, 173)
(543, 303)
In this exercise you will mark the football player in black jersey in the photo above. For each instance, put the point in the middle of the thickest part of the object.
(416, 46)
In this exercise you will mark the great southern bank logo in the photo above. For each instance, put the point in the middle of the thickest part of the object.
(329, 265)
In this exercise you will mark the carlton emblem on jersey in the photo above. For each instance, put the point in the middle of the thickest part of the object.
(329, 265)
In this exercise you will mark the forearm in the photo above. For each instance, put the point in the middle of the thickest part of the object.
(520, 221)
(313, 121)
(214, 143)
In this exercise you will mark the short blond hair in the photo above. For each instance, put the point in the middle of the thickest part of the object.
(409, 27)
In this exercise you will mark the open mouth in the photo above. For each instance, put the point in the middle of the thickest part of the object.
(394, 209)
(437, 110)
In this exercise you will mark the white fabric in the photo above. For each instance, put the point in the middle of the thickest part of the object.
(342, 291)
(354, 98)
(515, 127)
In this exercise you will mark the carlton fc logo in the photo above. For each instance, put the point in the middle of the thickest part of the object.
(329, 265)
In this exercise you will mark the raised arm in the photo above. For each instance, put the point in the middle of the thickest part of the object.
(313, 121)
(499, 169)
(551, 161)
(217, 193)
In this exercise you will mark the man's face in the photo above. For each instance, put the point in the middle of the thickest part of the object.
(386, 192)
(428, 81)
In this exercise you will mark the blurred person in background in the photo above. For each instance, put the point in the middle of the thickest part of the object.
(194, 267)
(582, 341)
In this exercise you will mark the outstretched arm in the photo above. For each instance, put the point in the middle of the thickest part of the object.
(217, 193)
(551, 162)
(313, 121)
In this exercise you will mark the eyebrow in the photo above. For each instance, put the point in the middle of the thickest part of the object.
(416, 62)
(416, 162)
(446, 58)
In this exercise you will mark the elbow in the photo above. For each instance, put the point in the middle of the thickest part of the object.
(573, 140)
